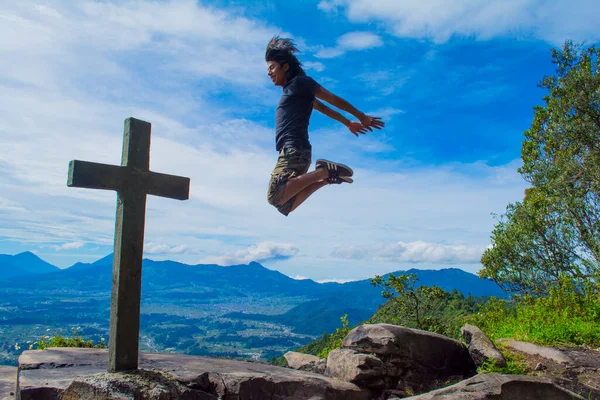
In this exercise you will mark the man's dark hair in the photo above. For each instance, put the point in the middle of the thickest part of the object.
(281, 50)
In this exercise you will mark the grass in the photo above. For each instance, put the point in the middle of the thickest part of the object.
(565, 316)
(515, 364)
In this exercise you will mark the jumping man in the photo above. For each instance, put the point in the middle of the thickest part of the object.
(290, 183)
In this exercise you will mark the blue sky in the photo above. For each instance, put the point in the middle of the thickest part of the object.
(455, 81)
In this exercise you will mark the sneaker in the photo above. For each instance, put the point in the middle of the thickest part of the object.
(334, 169)
(339, 179)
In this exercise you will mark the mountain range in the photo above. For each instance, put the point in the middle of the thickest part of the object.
(198, 309)
(172, 281)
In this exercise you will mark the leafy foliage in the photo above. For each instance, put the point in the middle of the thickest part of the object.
(61, 341)
(425, 307)
(555, 231)
(563, 317)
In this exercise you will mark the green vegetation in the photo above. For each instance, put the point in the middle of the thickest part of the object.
(515, 364)
(547, 247)
(564, 317)
(426, 308)
(555, 230)
(58, 340)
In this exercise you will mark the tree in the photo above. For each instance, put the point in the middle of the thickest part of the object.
(555, 231)
(420, 308)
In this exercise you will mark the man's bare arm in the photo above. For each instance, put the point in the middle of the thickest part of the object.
(331, 113)
(338, 102)
(367, 121)
(354, 127)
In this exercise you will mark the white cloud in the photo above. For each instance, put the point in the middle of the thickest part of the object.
(261, 252)
(71, 72)
(74, 41)
(328, 6)
(158, 248)
(386, 113)
(550, 20)
(299, 277)
(314, 65)
(336, 280)
(412, 252)
(385, 82)
(351, 41)
(329, 52)
(70, 246)
(359, 41)
(7, 206)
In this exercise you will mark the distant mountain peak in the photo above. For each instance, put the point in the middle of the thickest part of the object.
(108, 259)
(27, 254)
(255, 264)
(23, 264)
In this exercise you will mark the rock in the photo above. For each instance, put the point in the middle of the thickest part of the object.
(305, 362)
(415, 361)
(532, 349)
(540, 367)
(48, 374)
(318, 368)
(481, 347)
(138, 384)
(8, 382)
(501, 387)
(362, 369)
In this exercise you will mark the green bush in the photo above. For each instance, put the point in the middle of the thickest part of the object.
(568, 315)
(58, 340)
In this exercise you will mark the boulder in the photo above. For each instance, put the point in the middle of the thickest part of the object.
(501, 387)
(481, 347)
(365, 370)
(52, 373)
(139, 384)
(305, 362)
(415, 361)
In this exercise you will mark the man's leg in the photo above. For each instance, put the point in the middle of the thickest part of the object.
(299, 183)
(306, 192)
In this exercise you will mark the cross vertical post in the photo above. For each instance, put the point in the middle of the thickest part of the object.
(133, 180)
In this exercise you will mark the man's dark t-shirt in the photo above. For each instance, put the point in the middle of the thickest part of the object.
(293, 112)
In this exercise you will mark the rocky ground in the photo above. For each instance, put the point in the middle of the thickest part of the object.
(376, 362)
(581, 377)
(8, 382)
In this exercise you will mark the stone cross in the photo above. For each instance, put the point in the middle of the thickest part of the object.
(133, 180)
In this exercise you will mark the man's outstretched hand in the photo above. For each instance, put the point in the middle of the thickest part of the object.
(371, 123)
(356, 128)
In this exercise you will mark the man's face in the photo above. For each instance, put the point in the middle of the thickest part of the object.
(277, 72)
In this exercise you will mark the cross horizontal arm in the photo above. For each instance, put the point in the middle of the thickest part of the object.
(85, 174)
(163, 185)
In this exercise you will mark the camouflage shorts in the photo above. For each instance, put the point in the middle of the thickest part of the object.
(291, 162)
